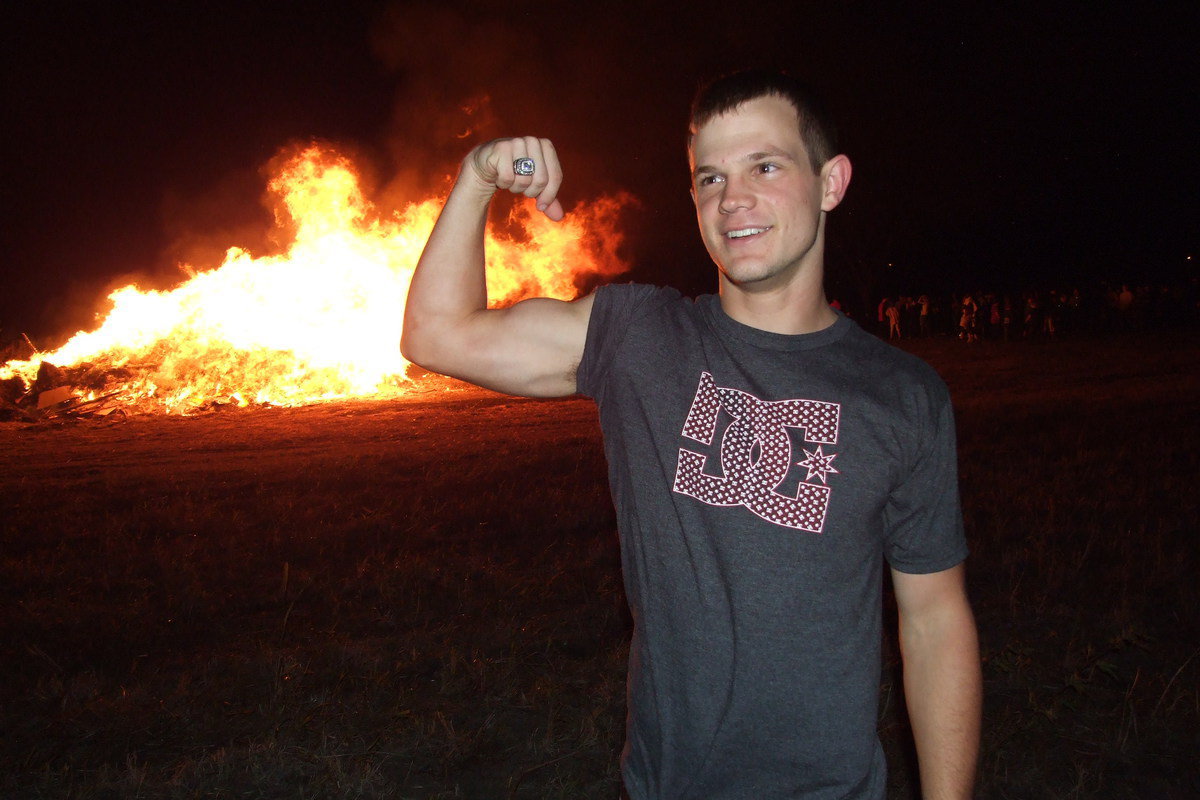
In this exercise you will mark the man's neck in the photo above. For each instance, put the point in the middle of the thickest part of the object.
(799, 307)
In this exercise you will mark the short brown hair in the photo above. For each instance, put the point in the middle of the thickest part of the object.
(817, 129)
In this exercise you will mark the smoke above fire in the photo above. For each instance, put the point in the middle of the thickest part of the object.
(322, 318)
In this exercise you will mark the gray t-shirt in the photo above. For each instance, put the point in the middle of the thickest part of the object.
(759, 481)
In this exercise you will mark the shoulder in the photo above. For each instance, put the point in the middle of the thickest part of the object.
(637, 296)
(619, 306)
(887, 360)
(909, 379)
(624, 319)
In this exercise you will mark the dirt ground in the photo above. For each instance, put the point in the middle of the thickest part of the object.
(421, 597)
(412, 434)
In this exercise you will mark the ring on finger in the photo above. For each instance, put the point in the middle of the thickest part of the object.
(524, 166)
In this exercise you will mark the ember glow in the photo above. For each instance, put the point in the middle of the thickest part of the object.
(322, 320)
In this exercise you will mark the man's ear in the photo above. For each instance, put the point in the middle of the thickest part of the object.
(835, 177)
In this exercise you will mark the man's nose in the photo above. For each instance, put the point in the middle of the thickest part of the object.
(737, 195)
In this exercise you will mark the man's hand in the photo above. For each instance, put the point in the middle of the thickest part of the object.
(492, 166)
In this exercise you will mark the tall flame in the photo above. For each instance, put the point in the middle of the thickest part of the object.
(322, 320)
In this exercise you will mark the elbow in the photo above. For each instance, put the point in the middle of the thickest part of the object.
(415, 347)
(408, 348)
(427, 347)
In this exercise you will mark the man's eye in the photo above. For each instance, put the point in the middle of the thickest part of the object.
(767, 167)
(708, 180)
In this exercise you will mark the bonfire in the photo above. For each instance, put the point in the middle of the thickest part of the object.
(320, 321)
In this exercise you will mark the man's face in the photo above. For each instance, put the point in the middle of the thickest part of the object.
(757, 199)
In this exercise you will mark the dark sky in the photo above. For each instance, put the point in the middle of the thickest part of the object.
(991, 148)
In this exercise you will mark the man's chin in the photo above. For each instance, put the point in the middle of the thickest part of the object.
(747, 276)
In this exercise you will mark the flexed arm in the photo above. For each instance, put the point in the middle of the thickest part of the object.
(531, 348)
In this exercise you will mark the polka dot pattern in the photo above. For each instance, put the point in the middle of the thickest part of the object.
(756, 454)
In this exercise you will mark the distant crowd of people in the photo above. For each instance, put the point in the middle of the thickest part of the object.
(1037, 313)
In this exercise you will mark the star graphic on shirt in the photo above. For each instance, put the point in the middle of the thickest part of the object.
(818, 464)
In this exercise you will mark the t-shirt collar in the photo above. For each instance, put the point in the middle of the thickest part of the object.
(726, 325)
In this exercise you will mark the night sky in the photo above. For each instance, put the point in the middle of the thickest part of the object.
(992, 149)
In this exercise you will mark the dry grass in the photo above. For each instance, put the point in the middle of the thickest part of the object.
(422, 599)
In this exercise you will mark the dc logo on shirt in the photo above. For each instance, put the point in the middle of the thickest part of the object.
(756, 454)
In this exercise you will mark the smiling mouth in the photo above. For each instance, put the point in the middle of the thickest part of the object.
(742, 233)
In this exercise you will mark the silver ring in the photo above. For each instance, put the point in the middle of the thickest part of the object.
(523, 166)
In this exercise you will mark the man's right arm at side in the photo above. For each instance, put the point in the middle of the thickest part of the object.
(531, 348)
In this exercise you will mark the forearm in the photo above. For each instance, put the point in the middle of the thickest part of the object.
(943, 689)
(449, 283)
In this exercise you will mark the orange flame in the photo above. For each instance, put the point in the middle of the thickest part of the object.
(323, 320)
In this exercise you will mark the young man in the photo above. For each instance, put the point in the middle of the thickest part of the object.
(765, 457)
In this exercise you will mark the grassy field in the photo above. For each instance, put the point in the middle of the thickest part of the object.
(422, 599)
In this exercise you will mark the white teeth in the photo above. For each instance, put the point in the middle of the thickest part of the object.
(744, 232)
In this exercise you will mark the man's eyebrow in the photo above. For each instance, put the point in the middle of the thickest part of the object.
(772, 153)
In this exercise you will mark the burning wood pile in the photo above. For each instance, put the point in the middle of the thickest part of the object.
(318, 321)
(52, 395)
(48, 398)
(35, 390)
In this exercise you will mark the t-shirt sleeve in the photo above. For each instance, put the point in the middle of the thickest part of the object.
(615, 308)
(923, 514)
